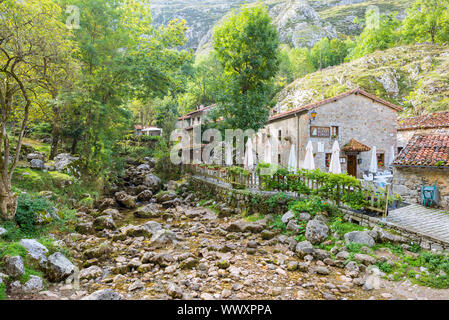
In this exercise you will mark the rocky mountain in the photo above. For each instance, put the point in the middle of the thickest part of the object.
(300, 22)
(415, 77)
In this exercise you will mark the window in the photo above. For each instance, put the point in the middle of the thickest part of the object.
(380, 159)
(320, 132)
(328, 159)
(199, 120)
(334, 131)
(279, 158)
(400, 149)
(280, 135)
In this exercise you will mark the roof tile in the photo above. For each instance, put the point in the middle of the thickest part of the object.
(425, 150)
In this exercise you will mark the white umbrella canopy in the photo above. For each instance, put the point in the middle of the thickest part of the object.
(228, 155)
(390, 162)
(373, 164)
(309, 163)
(249, 159)
(292, 159)
(335, 166)
(267, 152)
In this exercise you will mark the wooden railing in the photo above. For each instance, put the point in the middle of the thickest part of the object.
(376, 199)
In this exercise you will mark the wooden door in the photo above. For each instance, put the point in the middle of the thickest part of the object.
(352, 165)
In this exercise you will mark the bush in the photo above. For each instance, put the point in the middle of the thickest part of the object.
(28, 208)
(312, 205)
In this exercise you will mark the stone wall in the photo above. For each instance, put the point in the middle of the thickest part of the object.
(408, 182)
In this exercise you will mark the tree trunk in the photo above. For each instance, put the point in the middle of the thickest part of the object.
(74, 144)
(8, 201)
(55, 134)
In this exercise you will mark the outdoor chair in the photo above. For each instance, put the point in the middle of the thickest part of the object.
(429, 194)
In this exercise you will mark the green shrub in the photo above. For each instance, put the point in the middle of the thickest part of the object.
(312, 205)
(3, 295)
(28, 208)
(278, 224)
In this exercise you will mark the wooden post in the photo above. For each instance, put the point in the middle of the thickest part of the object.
(387, 190)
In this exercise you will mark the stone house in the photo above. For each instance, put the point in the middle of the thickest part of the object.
(424, 157)
(356, 119)
(147, 131)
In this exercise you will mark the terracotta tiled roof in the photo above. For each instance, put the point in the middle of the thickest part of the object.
(428, 121)
(187, 116)
(355, 146)
(329, 100)
(425, 150)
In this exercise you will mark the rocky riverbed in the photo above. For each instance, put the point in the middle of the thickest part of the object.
(141, 244)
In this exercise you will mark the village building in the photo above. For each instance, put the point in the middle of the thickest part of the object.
(356, 119)
(147, 131)
(424, 157)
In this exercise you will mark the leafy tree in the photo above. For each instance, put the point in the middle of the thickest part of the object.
(427, 20)
(246, 45)
(374, 38)
(32, 44)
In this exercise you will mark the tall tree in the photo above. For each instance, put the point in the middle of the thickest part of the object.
(247, 45)
(32, 41)
(427, 20)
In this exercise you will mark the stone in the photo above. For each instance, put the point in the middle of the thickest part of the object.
(304, 248)
(107, 203)
(236, 226)
(35, 249)
(3, 231)
(304, 216)
(143, 167)
(316, 231)
(287, 216)
(114, 213)
(267, 234)
(162, 238)
(92, 272)
(189, 263)
(352, 269)
(174, 291)
(372, 280)
(152, 182)
(365, 259)
(165, 196)
(223, 264)
(105, 294)
(125, 200)
(321, 254)
(85, 228)
(149, 211)
(37, 164)
(342, 255)
(62, 160)
(38, 156)
(361, 237)
(14, 266)
(104, 222)
(145, 195)
(292, 265)
(292, 226)
(138, 284)
(16, 288)
(136, 231)
(59, 267)
(33, 285)
(322, 270)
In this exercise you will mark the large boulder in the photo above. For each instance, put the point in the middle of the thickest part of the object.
(14, 266)
(165, 196)
(36, 155)
(107, 203)
(105, 294)
(125, 200)
(34, 285)
(145, 195)
(380, 235)
(360, 237)
(92, 272)
(149, 211)
(37, 164)
(104, 222)
(152, 182)
(62, 160)
(59, 267)
(316, 231)
(287, 216)
(304, 248)
(35, 250)
(162, 238)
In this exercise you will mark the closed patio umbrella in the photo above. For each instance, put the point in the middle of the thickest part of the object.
(292, 160)
(228, 154)
(267, 152)
(309, 163)
(335, 166)
(373, 164)
(249, 159)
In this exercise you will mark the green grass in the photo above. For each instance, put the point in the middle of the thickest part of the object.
(342, 227)
(278, 224)
(3, 295)
(254, 217)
